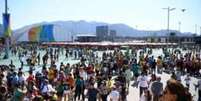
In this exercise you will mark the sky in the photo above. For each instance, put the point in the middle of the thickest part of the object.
(140, 14)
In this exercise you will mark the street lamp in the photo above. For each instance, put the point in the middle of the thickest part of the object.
(179, 26)
(168, 19)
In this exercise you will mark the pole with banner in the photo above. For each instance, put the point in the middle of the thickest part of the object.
(7, 33)
(7, 30)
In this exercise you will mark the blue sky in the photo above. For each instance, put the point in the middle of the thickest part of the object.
(140, 14)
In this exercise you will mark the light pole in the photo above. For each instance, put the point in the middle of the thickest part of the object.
(6, 7)
(179, 26)
(168, 21)
(168, 14)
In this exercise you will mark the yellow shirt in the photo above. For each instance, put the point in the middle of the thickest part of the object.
(51, 74)
(159, 62)
(109, 83)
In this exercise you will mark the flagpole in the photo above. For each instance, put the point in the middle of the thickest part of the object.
(6, 7)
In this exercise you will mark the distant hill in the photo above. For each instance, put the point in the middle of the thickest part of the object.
(84, 27)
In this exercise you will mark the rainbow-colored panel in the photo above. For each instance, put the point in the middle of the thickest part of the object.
(34, 34)
(42, 33)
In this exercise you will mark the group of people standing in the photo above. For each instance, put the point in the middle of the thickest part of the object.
(106, 77)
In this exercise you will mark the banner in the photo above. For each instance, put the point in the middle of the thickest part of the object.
(6, 25)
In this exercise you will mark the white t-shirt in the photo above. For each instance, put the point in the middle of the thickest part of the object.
(21, 79)
(143, 81)
(83, 74)
(47, 89)
(187, 79)
(114, 95)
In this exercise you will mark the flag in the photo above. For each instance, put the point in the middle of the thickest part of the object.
(6, 25)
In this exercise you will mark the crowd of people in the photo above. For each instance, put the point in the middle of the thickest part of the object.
(105, 77)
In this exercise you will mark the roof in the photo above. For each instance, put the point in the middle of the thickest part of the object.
(86, 35)
(108, 43)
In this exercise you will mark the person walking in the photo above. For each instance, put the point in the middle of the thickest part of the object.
(142, 82)
(156, 89)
